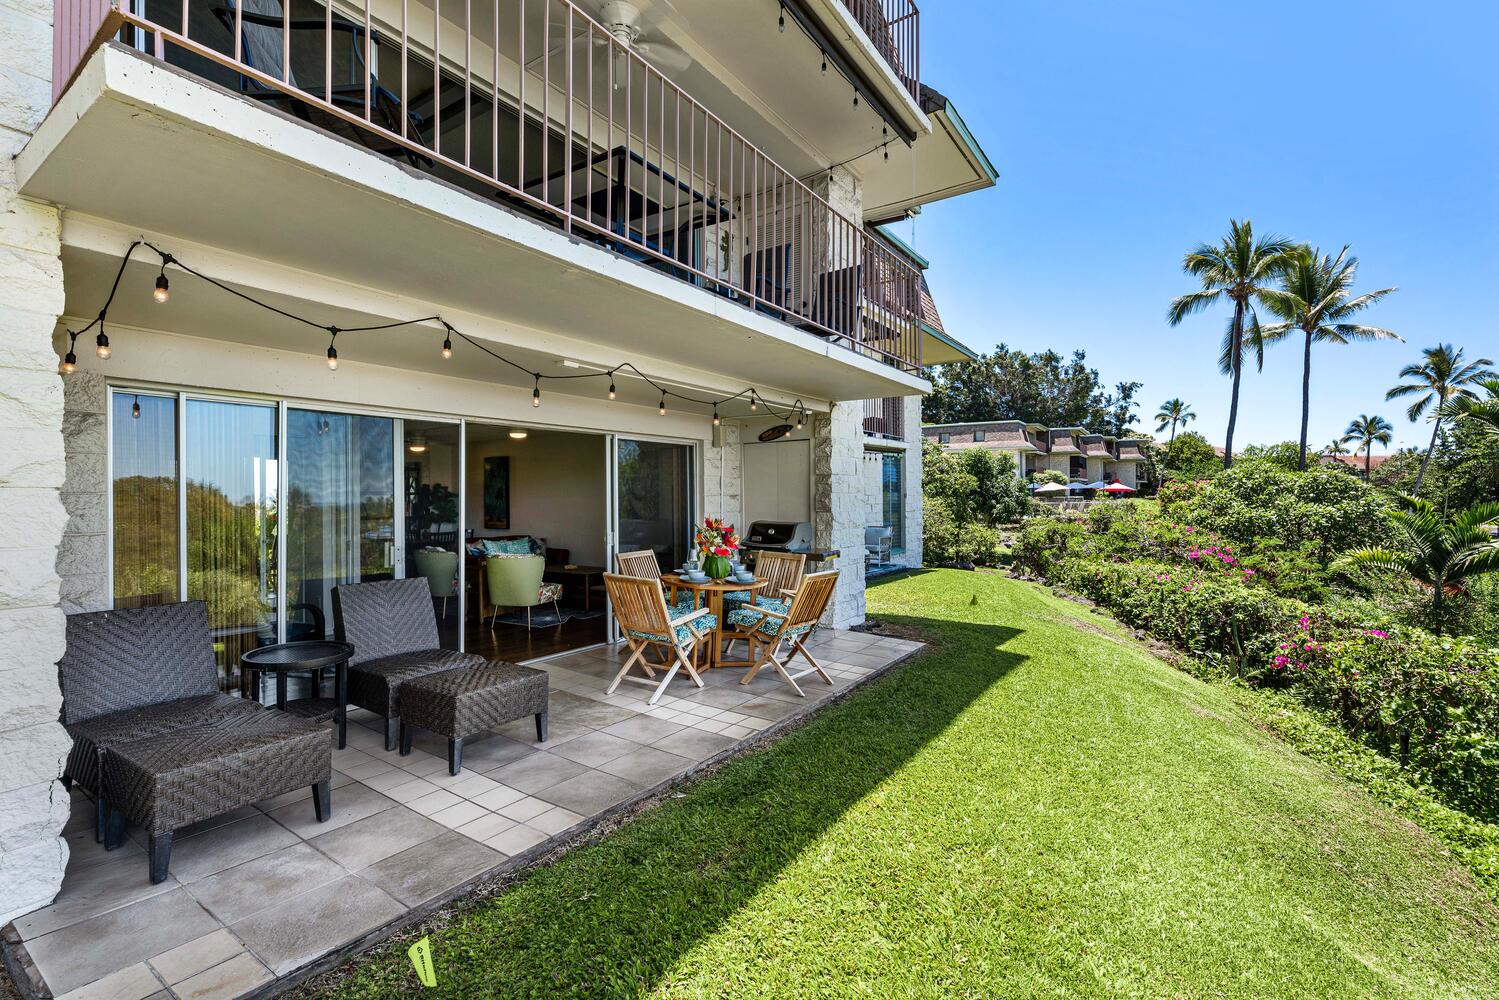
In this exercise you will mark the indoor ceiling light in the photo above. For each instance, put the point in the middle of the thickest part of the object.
(518, 435)
(416, 444)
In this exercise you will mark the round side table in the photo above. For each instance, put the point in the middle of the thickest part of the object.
(287, 658)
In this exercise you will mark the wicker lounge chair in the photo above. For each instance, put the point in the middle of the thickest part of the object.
(156, 742)
(393, 628)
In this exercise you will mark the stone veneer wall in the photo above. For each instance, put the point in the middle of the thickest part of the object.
(912, 554)
(723, 493)
(839, 504)
(33, 806)
(83, 559)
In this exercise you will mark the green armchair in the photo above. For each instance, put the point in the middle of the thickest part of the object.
(515, 582)
(441, 571)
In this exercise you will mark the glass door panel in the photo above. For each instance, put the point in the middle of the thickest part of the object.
(340, 511)
(432, 464)
(232, 487)
(144, 529)
(655, 499)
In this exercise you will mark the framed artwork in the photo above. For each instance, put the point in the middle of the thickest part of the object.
(497, 491)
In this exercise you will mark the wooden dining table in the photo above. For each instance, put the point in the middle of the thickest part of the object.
(712, 591)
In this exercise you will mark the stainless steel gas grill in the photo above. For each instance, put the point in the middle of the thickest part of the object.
(784, 536)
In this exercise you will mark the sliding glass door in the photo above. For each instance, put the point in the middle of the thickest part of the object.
(340, 511)
(654, 493)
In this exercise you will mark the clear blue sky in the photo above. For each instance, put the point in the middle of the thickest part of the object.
(1125, 133)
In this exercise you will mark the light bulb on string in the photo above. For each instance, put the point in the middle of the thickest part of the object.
(536, 392)
(101, 346)
(332, 351)
(161, 294)
(824, 64)
(754, 406)
(781, 21)
(70, 360)
(135, 408)
(447, 346)
(611, 385)
(715, 415)
(662, 409)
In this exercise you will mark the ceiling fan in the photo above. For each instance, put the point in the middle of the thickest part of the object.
(624, 21)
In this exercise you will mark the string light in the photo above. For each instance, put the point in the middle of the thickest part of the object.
(135, 408)
(781, 21)
(856, 98)
(161, 294)
(69, 362)
(824, 64)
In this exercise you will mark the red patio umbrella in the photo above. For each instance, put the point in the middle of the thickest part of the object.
(1117, 487)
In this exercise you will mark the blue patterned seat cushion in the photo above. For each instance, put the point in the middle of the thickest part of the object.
(755, 618)
(685, 633)
(738, 597)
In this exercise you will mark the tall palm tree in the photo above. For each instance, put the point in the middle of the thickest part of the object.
(1438, 553)
(1173, 412)
(1483, 412)
(1239, 268)
(1440, 378)
(1315, 296)
(1335, 448)
(1367, 430)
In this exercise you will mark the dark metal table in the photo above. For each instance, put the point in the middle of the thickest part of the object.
(284, 659)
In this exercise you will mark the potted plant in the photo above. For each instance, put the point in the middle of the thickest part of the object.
(717, 542)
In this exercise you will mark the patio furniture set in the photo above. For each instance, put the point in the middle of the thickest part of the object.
(157, 744)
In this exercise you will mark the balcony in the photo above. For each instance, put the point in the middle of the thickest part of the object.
(534, 105)
(894, 26)
(885, 418)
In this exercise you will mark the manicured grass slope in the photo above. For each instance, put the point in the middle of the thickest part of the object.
(1034, 808)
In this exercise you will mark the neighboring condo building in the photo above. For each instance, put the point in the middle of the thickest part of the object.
(1079, 455)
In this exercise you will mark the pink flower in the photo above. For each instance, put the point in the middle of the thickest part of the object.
(1376, 633)
(1305, 622)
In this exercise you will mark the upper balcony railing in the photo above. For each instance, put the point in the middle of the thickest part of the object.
(895, 28)
(537, 105)
(885, 417)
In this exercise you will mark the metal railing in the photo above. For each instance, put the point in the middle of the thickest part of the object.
(885, 418)
(534, 103)
(894, 26)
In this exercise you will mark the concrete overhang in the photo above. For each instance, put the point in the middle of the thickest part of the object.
(141, 145)
(945, 163)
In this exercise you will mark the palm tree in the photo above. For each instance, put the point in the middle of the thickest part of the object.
(1238, 268)
(1483, 412)
(1440, 377)
(1439, 554)
(1335, 449)
(1173, 412)
(1315, 297)
(1367, 430)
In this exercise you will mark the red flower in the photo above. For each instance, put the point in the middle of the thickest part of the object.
(720, 551)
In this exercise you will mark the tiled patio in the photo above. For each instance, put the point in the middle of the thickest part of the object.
(264, 896)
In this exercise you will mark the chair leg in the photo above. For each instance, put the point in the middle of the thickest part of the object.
(455, 755)
(322, 801)
(406, 738)
(637, 651)
(757, 654)
(797, 647)
(687, 662)
(785, 674)
(101, 816)
(541, 727)
(114, 828)
(391, 723)
(161, 856)
(661, 688)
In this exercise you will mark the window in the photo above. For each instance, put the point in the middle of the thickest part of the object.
(893, 497)
(943, 437)
(979, 436)
(144, 489)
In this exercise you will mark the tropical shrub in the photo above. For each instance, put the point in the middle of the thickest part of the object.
(1255, 501)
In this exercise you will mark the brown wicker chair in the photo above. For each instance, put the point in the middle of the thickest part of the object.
(767, 628)
(156, 742)
(393, 628)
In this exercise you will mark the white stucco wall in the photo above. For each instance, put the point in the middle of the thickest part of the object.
(33, 806)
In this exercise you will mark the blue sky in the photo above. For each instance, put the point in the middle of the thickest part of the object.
(1125, 133)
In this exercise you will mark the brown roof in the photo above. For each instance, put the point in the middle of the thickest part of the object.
(1355, 461)
(1060, 443)
(929, 314)
(1000, 435)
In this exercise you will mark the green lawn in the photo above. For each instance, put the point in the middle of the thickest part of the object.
(1034, 808)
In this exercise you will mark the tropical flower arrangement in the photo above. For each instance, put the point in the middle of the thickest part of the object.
(718, 543)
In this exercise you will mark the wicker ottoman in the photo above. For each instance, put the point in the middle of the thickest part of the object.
(170, 780)
(459, 703)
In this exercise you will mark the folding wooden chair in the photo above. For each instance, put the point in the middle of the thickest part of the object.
(646, 621)
(767, 629)
(643, 564)
(782, 572)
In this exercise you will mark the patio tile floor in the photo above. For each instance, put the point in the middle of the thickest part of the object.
(268, 892)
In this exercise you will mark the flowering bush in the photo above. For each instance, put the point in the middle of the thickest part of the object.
(1430, 703)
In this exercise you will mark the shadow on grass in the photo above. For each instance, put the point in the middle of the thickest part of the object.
(612, 918)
